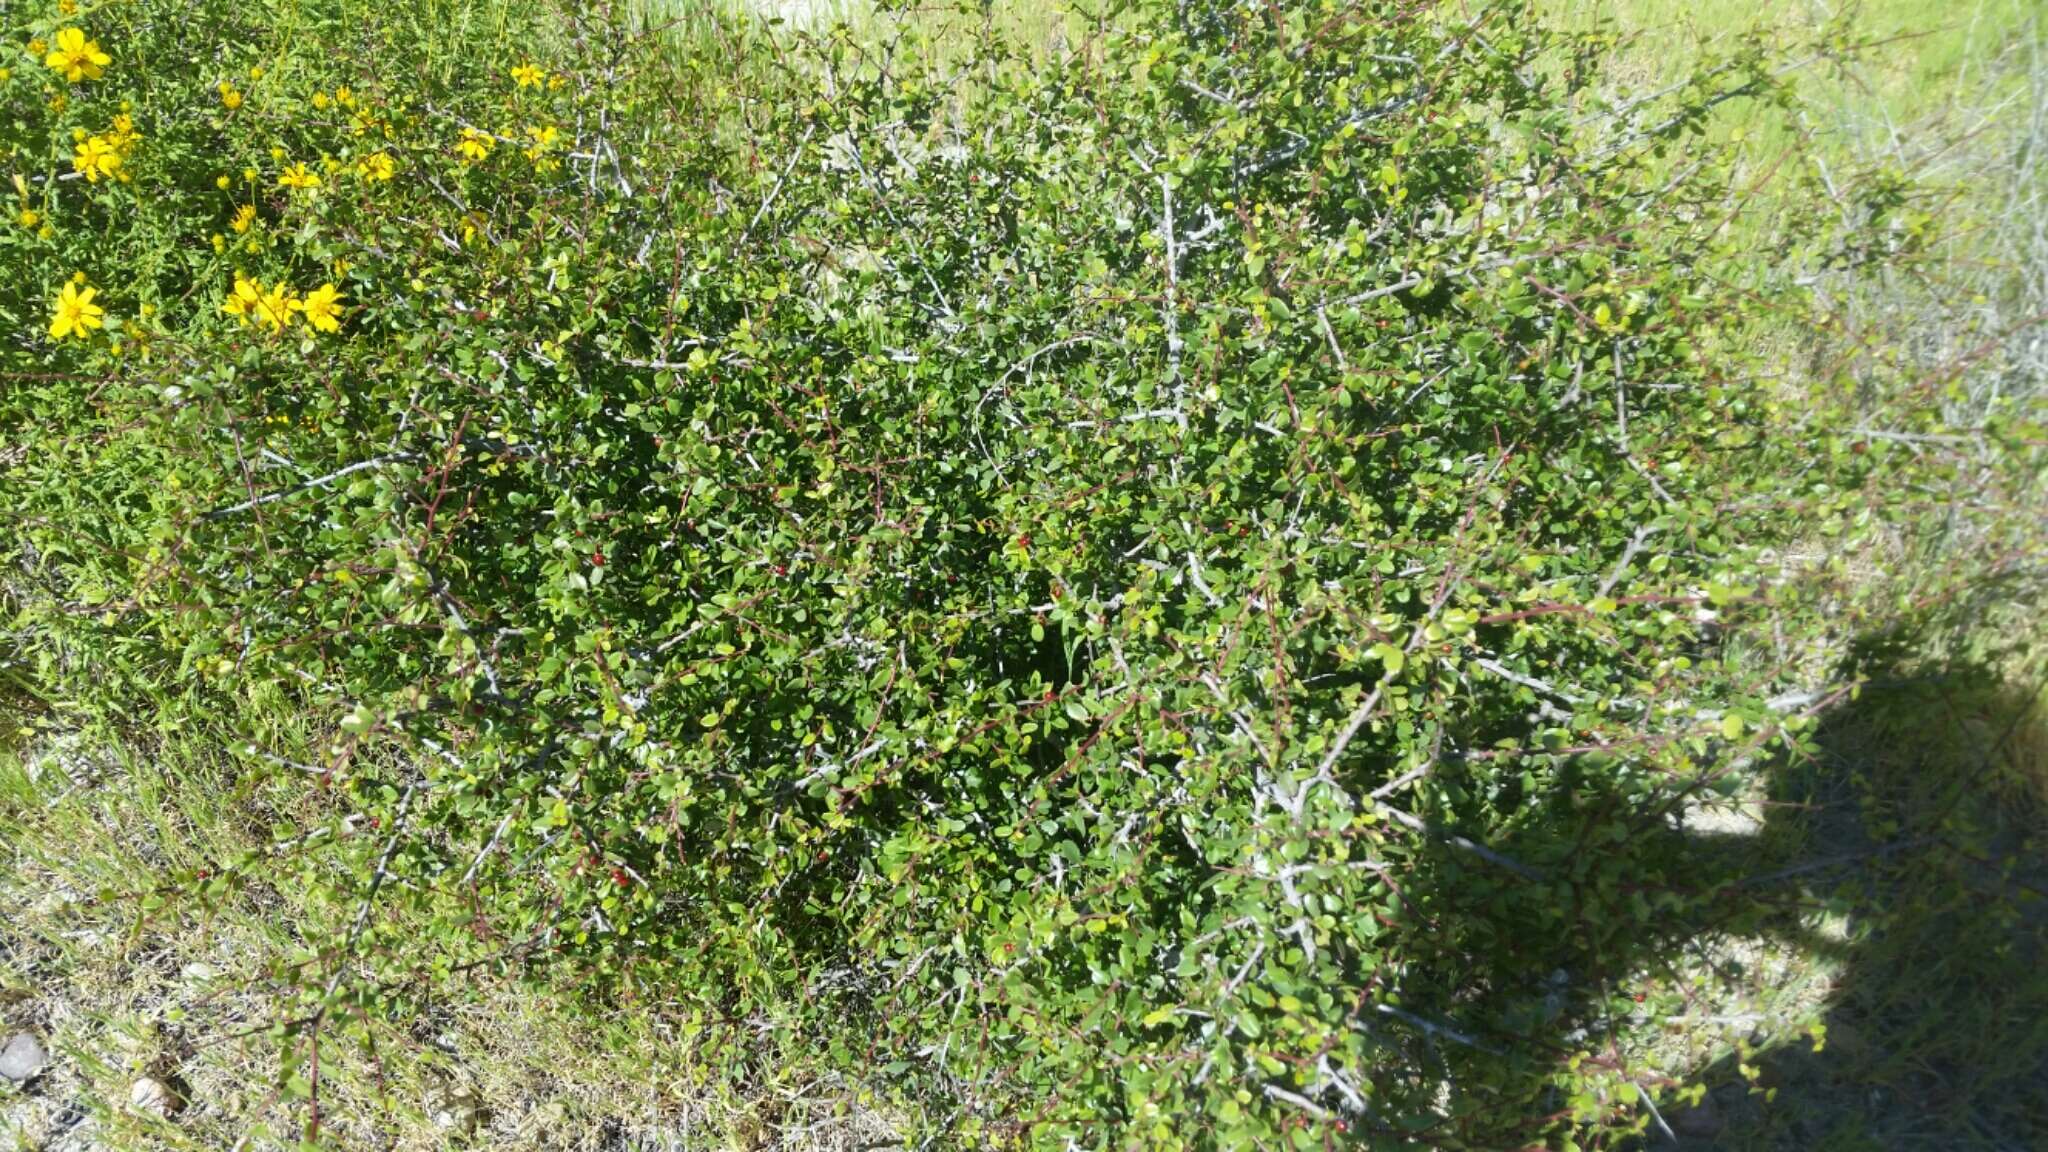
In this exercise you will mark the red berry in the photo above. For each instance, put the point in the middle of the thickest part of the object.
(620, 878)
(597, 558)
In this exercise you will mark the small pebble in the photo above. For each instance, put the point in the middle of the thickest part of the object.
(22, 1058)
(148, 1094)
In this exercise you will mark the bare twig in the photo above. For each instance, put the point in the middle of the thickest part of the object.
(317, 482)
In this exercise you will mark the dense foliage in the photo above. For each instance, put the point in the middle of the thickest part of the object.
(1128, 589)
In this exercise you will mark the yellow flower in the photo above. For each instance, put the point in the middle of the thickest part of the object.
(244, 299)
(322, 307)
(229, 95)
(244, 216)
(376, 166)
(527, 76)
(30, 218)
(36, 47)
(320, 100)
(75, 314)
(256, 73)
(222, 183)
(220, 242)
(475, 147)
(344, 97)
(67, 7)
(297, 177)
(541, 140)
(277, 306)
(76, 57)
(97, 156)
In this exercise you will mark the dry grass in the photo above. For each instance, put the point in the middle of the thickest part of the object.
(181, 994)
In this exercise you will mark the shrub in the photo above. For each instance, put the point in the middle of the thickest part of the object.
(1129, 589)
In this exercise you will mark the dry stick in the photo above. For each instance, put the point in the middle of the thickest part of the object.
(1370, 704)
(1432, 1028)
(1399, 782)
(1654, 1114)
(318, 482)
(1170, 311)
(489, 846)
(1456, 841)
(1323, 318)
(1635, 544)
(1529, 682)
(1201, 585)
(355, 933)
(362, 920)
(923, 264)
(1401, 285)
(1628, 453)
(1274, 1092)
(1359, 716)
(1243, 724)
(795, 154)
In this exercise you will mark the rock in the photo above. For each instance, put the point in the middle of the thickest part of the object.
(22, 1058)
(457, 1109)
(153, 1096)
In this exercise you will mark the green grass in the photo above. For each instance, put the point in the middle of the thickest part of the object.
(1919, 58)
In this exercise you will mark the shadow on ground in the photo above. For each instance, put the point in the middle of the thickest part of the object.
(1924, 819)
(1892, 884)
